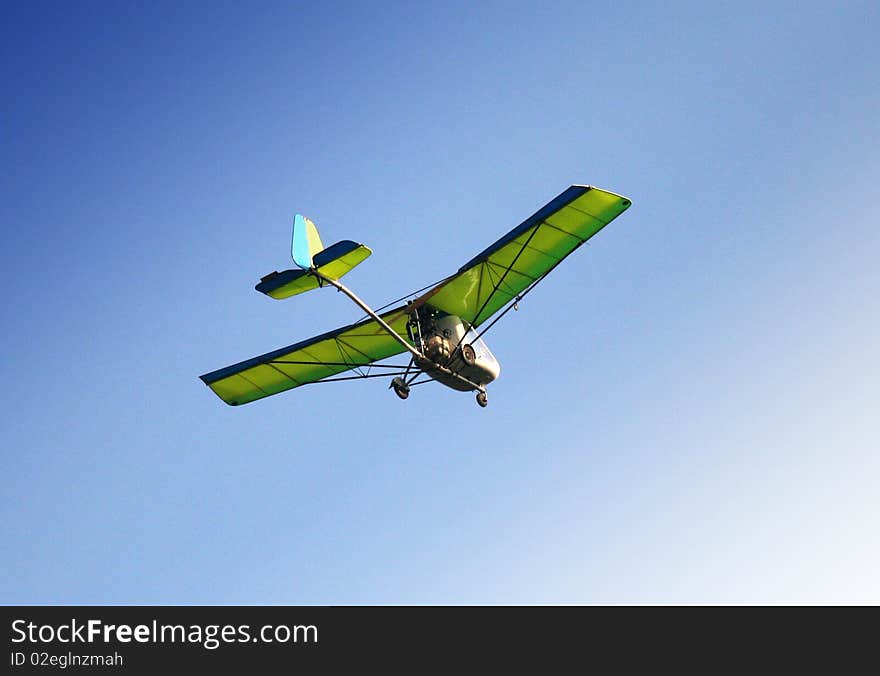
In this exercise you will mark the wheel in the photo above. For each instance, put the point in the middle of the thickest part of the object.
(401, 389)
(482, 399)
(468, 354)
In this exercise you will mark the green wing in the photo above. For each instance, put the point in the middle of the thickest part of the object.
(308, 361)
(521, 258)
(481, 287)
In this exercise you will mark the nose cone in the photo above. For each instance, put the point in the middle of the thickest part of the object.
(487, 362)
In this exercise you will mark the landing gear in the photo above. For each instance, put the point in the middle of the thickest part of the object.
(401, 389)
(482, 399)
(468, 354)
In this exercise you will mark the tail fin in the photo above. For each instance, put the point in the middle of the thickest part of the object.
(308, 252)
(306, 241)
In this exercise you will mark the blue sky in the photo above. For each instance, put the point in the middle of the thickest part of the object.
(687, 410)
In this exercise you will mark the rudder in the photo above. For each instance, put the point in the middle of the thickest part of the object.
(306, 241)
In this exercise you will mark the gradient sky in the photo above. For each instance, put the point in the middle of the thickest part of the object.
(688, 406)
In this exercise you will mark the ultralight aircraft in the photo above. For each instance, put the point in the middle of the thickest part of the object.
(441, 326)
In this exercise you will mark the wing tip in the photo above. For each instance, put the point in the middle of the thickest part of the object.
(206, 378)
(625, 202)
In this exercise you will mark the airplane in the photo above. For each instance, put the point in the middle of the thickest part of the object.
(440, 326)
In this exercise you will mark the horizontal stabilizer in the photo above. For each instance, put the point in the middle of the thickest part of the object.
(287, 283)
(333, 262)
(339, 259)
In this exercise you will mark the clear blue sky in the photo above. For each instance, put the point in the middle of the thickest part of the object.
(688, 406)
